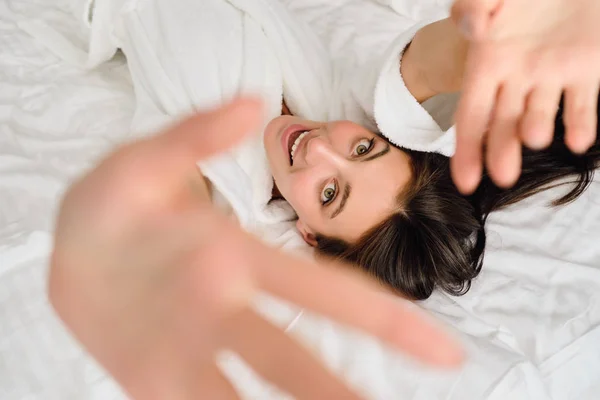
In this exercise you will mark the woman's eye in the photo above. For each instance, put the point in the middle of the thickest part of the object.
(363, 147)
(328, 193)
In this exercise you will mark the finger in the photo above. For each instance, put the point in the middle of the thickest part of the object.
(210, 384)
(348, 297)
(331, 289)
(206, 134)
(580, 117)
(472, 118)
(537, 125)
(282, 361)
(165, 166)
(503, 155)
(474, 17)
(177, 380)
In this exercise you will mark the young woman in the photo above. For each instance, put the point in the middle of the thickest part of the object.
(354, 194)
(200, 54)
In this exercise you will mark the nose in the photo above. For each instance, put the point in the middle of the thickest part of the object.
(319, 150)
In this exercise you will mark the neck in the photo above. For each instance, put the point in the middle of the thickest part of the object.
(275, 193)
(285, 110)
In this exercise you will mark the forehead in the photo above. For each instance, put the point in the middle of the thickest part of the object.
(375, 188)
(346, 127)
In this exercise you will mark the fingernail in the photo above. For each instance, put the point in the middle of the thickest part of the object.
(539, 141)
(580, 148)
(577, 142)
(508, 179)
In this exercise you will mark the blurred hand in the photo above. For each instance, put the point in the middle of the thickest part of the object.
(153, 281)
(524, 56)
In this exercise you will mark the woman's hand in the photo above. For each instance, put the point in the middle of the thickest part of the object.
(524, 56)
(434, 61)
(153, 281)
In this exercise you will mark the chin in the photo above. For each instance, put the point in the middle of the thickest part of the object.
(272, 145)
(270, 130)
(272, 161)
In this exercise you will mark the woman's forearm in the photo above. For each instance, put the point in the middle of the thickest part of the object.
(414, 77)
(434, 61)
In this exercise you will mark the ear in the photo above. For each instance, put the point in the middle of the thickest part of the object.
(307, 233)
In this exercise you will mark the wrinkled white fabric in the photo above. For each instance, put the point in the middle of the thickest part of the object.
(529, 324)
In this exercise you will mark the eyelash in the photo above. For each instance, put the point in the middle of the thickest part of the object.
(328, 201)
(371, 145)
(335, 185)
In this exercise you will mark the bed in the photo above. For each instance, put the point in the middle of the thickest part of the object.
(55, 120)
(530, 324)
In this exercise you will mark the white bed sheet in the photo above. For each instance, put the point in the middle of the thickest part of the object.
(531, 323)
(55, 120)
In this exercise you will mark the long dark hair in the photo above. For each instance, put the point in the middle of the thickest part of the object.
(437, 238)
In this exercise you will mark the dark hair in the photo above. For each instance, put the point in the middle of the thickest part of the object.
(437, 237)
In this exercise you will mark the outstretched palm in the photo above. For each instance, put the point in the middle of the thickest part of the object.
(153, 281)
(525, 55)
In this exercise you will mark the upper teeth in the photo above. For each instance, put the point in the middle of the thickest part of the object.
(297, 143)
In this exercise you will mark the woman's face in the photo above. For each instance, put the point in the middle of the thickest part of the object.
(340, 178)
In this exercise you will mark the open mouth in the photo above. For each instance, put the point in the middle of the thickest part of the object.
(292, 138)
(293, 143)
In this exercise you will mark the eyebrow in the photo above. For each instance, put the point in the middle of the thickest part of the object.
(347, 190)
(377, 155)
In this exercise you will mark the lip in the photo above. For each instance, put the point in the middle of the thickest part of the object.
(287, 134)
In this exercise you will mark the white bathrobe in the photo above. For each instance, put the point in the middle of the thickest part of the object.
(191, 54)
(196, 54)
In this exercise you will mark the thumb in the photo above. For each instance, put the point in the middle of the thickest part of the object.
(474, 17)
(209, 133)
